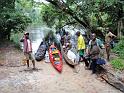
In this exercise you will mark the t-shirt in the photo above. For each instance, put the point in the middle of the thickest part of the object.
(98, 43)
(94, 48)
(29, 45)
(80, 43)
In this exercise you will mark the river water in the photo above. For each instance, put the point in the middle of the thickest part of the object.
(37, 33)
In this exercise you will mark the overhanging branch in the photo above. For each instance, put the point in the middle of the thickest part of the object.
(66, 9)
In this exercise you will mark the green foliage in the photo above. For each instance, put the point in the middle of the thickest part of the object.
(94, 13)
(118, 64)
(119, 49)
(7, 4)
(12, 21)
(80, 10)
(29, 8)
(20, 21)
(53, 16)
(15, 38)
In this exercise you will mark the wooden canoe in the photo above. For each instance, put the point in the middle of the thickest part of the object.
(67, 60)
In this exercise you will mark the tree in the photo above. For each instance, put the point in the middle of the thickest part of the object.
(11, 20)
(116, 12)
(67, 7)
(7, 4)
(105, 12)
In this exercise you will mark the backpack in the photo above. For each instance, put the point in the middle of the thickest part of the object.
(100, 61)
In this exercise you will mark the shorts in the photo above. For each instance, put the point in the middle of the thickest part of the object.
(29, 56)
(81, 52)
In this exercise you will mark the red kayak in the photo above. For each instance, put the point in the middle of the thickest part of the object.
(55, 58)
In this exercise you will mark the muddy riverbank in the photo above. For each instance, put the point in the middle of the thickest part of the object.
(15, 78)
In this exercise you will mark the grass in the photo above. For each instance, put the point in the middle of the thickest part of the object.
(118, 64)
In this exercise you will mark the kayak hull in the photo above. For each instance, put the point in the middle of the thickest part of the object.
(55, 58)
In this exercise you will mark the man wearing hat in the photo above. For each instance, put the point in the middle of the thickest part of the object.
(27, 49)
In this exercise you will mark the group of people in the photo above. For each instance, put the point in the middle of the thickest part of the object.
(91, 50)
(94, 49)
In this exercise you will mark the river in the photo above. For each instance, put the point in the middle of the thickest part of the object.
(37, 33)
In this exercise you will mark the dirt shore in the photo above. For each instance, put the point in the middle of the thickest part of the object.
(16, 78)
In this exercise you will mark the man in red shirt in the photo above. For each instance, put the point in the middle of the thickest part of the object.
(27, 49)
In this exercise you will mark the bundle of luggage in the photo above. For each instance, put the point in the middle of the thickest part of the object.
(40, 54)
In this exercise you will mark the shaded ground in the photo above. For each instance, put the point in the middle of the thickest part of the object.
(14, 78)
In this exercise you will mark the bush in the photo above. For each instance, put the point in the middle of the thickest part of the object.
(119, 48)
(12, 21)
(15, 38)
(118, 64)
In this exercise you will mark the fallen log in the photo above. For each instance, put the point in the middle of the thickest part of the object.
(113, 80)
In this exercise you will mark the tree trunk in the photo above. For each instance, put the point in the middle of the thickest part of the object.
(113, 80)
(120, 27)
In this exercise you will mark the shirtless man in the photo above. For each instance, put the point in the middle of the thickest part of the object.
(109, 42)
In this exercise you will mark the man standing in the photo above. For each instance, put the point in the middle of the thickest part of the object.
(109, 42)
(27, 49)
(109, 37)
(81, 48)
